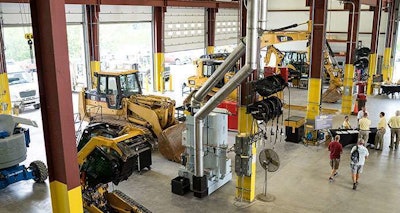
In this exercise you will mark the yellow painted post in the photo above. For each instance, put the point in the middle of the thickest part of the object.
(158, 71)
(246, 185)
(210, 49)
(94, 67)
(347, 97)
(386, 64)
(170, 83)
(64, 200)
(314, 98)
(372, 71)
(5, 101)
(146, 83)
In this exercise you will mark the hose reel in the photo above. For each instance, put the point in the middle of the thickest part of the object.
(270, 85)
(271, 107)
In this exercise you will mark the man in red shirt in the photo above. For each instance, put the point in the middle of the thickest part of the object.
(335, 149)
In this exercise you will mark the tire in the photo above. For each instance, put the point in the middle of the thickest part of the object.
(36, 106)
(177, 61)
(39, 170)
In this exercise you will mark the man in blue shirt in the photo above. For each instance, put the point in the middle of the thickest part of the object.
(357, 168)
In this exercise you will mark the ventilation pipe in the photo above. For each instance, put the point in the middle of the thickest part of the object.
(263, 14)
(227, 65)
(250, 65)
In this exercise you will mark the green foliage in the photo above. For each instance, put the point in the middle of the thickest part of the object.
(16, 46)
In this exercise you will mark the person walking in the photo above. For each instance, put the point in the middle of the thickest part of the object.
(335, 149)
(364, 123)
(394, 125)
(357, 167)
(380, 132)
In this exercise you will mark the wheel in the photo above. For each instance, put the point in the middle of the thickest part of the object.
(36, 106)
(177, 61)
(39, 170)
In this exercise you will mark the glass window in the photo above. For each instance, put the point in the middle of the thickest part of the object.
(129, 84)
(120, 52)
(102, 84)
(112, 86)
(18, 78)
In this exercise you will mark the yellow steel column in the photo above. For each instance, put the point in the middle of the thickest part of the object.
(372, 71)
(158, 72)
(386, 64)
(347, 97)
(171, 86)
(246, 185)
(64, 200)
(5, 101)
(314, 98)
(94, 67)
(210, 49)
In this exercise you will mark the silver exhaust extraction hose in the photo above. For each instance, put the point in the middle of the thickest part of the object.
(227, 65)
(252, 43)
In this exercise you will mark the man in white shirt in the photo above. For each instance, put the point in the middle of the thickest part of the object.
(357, 168)
(361, 113)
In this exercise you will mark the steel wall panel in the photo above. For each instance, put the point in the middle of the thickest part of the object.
(114, 13)
(17, 14)
(227, 27)
(184, 29)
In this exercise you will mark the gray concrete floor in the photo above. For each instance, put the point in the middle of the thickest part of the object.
(300, 185)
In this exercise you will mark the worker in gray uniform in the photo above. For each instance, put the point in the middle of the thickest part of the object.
(394, 124)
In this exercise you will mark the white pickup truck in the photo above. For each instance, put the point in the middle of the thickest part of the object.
(24, 90)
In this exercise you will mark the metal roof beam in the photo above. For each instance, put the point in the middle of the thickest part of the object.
(155, 3)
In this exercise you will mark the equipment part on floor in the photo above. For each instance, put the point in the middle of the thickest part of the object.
(101, 201)
(294, 129)
(13, 143)
(118, 99)
(269, 161)
(217, 166)
(111, 153)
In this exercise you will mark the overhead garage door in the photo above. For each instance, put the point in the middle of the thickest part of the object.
(184, 29)
(120, 14)
(227, 27)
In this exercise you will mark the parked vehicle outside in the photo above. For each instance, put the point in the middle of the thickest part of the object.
(24, 90)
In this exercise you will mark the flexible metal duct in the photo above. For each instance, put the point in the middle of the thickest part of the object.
(227, 65)
(251, 64)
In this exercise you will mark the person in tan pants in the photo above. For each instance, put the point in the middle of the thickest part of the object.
(394, 124)
(381, 131)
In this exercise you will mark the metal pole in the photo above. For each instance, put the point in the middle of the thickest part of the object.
(263, 16)
(265, 181)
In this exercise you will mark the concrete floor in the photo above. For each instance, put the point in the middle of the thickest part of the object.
(300, 185)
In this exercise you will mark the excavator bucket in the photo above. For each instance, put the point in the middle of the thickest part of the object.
(332, 95)
(170, 144)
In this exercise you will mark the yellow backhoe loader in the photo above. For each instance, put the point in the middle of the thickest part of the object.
(206, 66)
(118, 100)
